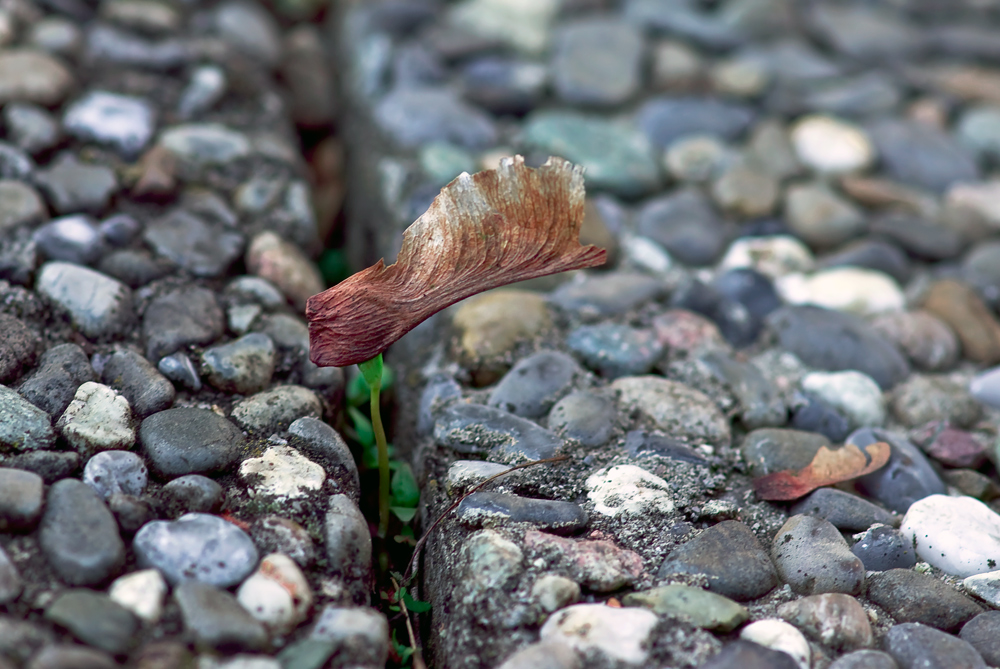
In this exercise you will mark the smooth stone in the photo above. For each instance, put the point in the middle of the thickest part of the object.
(616, 157)
(972, 483)
(277, 594)
(820, 217)
(205, 144)
(30, 126)
(981, 634)
(911, 597)
(95, 619)
(684, 332)
(835, 620)
(134, 268)
(535, 383)
(708, 31)
(955, 534)
(703, 608)
(753, 290)
(618, 634)
(524, 27)
(857, 396)
(27, 75)
(985, 587)
(18, 348)
(640, 443)
(361, 632)
(178, 368)
(921, 399)
(215, 619)
(491, 324)
(285, 266)
(628, 490)
(685, 224)
(187, 240)
(141, 592)
(730, 556)
(111, 472)
(865, 659)
(978, 129)
(11, 583)
(585, 416)
(251, 29)
(829, 145)
(734, 320)
(79, 536)
(812, 557)
(189, 441)
(289, 333)
(198, 547)
(474, 428)
(146, 390)
(926, 340)
(615, 350)
(809, 413)
(921, 155)
(123, 121)
(917, 236)
(504, 85)
(98, 305)
(98, 419)
(21, 498)
(772, 256)
(959, 307)
(834, 341)
(696, 158)
(272, 410)
(243, 366)
(274, 534)
(255, 290)
(52, 466)
(907, 477)
(21, 204)
(780, 636)
(412, 117)
(598, 296)
(883, 548)
(770, 147)
(20, 639)
(843, 510)
(74, 239)
(322, 444)
(71, 655)
(183, 317)
(554, 592)
(914, 645)
(611, 75)
(673, 407)
(769, 450)
(748, 655)
(872, 254)
(551, 654)
(73, 186)
(853, 289)
(192, 493)
(282, 472)
(665, 119)
(348, 545)
(15, 163)
(760, 404)
(491, 508)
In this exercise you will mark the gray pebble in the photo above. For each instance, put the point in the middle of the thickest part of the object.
(134, 268)
(189, 441)
(23, 426)
(120, 229)
(274, 410)
(417, 116)
(439, 391)
(216, 620)
(73, 186)
(492, 508)
(911, 597)
(243, 366)
(685, 224)
(348, 545)
(72, 657)
(614, 350)
(196, 546)
(178, 368)
(474, 428)
(983, 633)
(31, 127)
(550, 654)
(884, 548)
(192, 493)
(206, 87)
(251, 29)
(122, 121)
(324, 445)
(533, 385)
(14, 163)
(21, 204)
(917, 646)
(18, 348)
(254, 290)
(907, 477)
(183, 317)
(187, 240)
(21, 496)
(601, 295)
(921, 155)
(11, 583)
(61, 370)
(142, 385)
(97, 304)
(79, 536)
(748, 655)
(865, 659)
(812, 556)
(94, 619)
(583, 75)
(202, 144)
(587, 416)
(845, 511)
(359, 633)
(75, 239)
(52, 466)
(640, 443)
(130, 511)
(274, 534)
(111, 472)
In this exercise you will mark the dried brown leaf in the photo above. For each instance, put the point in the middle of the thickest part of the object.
(482, 231)
(828, 466)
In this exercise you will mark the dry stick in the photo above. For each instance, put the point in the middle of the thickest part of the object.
(418, 657)
(420, 544)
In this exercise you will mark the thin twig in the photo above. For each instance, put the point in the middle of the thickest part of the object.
(418, 658)
(408, 575)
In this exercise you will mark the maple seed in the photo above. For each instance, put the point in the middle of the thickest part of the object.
(482, 231)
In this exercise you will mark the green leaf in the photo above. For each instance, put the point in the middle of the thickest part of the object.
(333, 266)
(415, 605)
(404, 513)
(363, 426)
(372, 371)
(405, 491)
(358, 392)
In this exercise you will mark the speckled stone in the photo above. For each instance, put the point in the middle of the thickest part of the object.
(198, 547)
(673, 407)
(586, 416)
(912, 597)
(271, 410)
(812, 557)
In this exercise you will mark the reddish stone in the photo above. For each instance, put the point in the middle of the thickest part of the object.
(598, 565)
(683, 331)
(950, 446)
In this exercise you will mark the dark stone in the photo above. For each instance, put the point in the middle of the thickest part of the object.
(440, 390)
(416, 116)
(913, 597)
(876, 254)
(907, 477)
(884, 548)
(811, 414)
(770, 449)
(728, 553)
(610, 75)
(134, 268)
(640, 443)
(615, 350)
(143, 386)
(835, 341)
(216, 620)
(921, 238)
(812, 557)
(733, 319)
(503, 85)
(534, 384)
(916, 646)
(983, 634)
(750, 288)
(585, 416)
(184, 317)
(21, 497)
(845, 511)
(865, 659)
(17, 348)
(761, 404)
(474, 428)
(666, 119)
(73, 186)
(52, 466)
(72, 657)
(323, 445)
(486, 508)
(188, 241)
(189, 441)
(921, 155)
(130, 511)
(748, 655)
(686, 225)
(608, 294)
(61, 370)
(193, 493)
(79, 536)
(95, 620)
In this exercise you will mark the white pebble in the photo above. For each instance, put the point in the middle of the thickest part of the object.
(854, 394)
(780, 636)
(861, 291)
(630, 490)
(620, 634)
(142, 593)
(283, 472)
(831, 146)
(773, 256)
(98, 419)
(958, 535)
(277, 594)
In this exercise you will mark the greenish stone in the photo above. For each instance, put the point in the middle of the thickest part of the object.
(703, 608)
(306, 654)
(617, 157)
(94, 619)
(442, 162)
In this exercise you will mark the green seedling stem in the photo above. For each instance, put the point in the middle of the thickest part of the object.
(372, 371)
